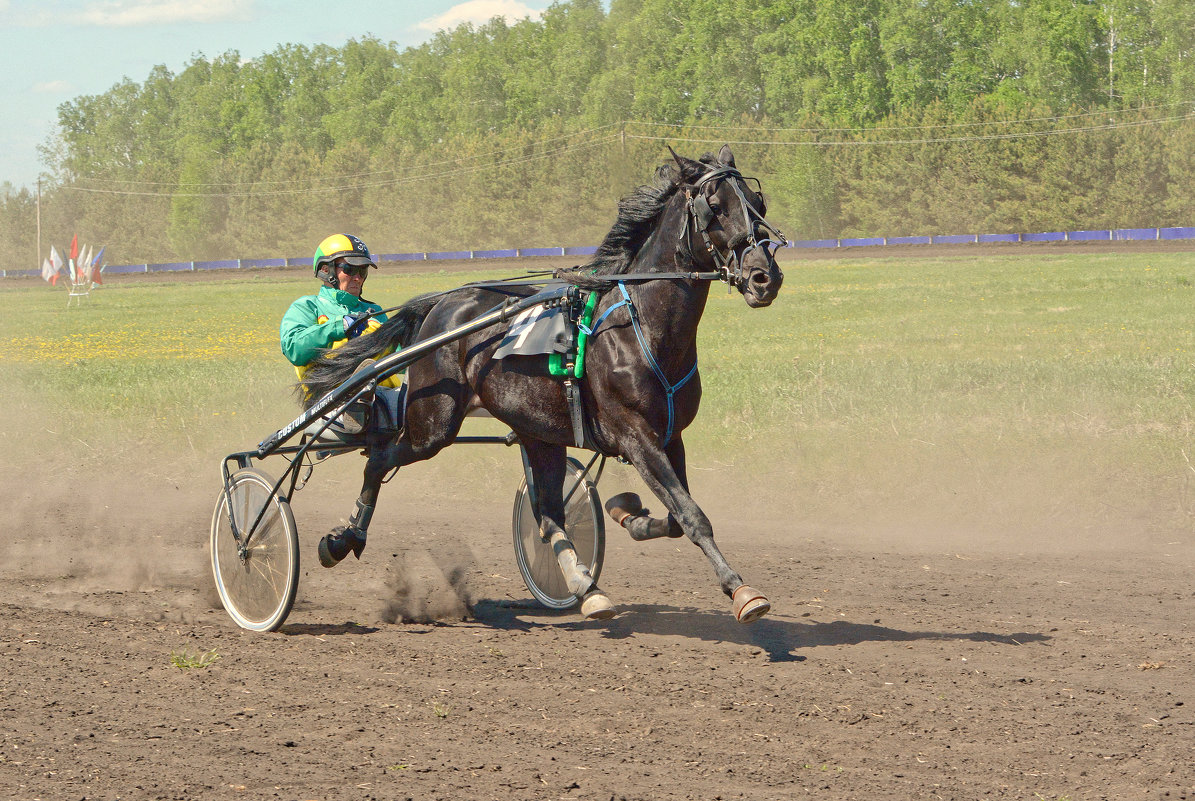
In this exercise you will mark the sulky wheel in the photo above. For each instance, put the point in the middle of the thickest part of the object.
(257, 583)
(585, 529)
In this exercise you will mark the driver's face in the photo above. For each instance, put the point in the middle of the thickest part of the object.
(351, 279)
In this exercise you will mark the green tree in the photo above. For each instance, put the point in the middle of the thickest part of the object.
(1050, 52)
(196, 215)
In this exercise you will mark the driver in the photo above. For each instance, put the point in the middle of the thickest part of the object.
(336, 314)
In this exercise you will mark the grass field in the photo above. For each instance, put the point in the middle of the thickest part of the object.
(1045, 390)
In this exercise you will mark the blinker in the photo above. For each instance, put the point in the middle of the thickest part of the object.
(703, 212)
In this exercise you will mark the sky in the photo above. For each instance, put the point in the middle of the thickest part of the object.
(57, 50)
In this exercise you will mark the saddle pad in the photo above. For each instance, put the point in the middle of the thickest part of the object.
(534, 332)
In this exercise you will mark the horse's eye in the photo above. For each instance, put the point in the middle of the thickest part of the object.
(715, 204)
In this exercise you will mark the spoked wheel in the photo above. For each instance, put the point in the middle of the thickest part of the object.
(257, 583)
(584, 526)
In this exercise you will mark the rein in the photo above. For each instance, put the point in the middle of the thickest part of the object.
(510, 283)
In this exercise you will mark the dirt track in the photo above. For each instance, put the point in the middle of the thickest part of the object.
(896, 664)
(888, 670)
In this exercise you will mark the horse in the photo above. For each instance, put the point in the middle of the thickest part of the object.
(695, 222)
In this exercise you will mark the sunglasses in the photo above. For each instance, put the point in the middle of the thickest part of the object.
(357, 271)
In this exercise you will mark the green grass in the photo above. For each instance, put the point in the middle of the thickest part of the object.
(869, 381)
(184, 660)
(1035, 344)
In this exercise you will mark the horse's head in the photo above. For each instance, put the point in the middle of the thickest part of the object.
(726, 212)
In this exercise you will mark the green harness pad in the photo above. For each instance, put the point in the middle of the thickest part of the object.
(557, 366)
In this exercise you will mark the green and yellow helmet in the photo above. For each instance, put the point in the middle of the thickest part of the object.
(346, 246)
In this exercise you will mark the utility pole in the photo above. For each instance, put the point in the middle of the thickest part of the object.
(38, 265)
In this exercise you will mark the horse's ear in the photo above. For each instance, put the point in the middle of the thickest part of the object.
(725, 156)
(687, 166)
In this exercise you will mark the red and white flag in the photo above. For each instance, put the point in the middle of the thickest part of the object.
(49, 273)
(55, 263)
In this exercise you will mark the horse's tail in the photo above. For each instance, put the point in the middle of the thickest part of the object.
(334, 365)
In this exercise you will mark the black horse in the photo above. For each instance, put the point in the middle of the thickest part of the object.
(641, 388)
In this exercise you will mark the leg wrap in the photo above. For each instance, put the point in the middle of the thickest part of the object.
(576, 574)
(361, 517)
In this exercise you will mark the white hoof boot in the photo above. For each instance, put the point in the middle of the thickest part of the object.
(597, 606)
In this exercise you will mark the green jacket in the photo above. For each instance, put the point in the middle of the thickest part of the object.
(314, 322)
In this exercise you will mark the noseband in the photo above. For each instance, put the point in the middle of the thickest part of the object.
(702, 216)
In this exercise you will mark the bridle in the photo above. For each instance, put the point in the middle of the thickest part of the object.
(702, 216)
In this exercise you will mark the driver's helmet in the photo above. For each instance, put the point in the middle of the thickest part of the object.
(352, 249)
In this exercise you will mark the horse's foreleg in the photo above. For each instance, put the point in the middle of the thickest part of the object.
(548, 471)
(665, 474)
(343, 540)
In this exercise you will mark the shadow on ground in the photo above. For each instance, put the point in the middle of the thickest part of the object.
(780, 639)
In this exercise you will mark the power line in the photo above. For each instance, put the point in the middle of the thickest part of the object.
(352, 182)
(924, 141)
(422, 176)
(1018, 121)
(352, 176)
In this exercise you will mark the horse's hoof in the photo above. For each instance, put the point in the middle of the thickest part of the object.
(338, 544)
(597, 606)
(624, 505)
(749, 604)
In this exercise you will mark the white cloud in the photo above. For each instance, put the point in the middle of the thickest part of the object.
(51, 87)
(478, 11)
(127, 13)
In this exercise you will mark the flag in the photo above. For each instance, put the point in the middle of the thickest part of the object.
(55, 263)
(84, 264)
(49, 273)
(96, 267)
(75, 246)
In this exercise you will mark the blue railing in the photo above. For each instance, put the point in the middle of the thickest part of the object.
(1110, 235)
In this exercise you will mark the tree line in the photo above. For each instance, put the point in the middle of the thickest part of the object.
(859, 116)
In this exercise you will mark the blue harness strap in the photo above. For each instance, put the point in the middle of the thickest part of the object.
(590, 330)
(669, 389)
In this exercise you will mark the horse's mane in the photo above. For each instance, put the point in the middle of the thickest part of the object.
(637, 214)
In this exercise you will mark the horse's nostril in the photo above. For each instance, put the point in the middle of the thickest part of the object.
(759, 278)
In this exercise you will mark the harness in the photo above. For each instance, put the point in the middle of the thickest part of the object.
(670, 389)
(701, 216)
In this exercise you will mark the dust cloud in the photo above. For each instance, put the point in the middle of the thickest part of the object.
(426, 591)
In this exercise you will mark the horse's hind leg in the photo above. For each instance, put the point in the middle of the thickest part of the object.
(665, 474)
(547, 471)
(342, 541)
(433, 418)
(628, 511)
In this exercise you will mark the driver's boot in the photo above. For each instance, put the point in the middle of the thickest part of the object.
(337, 544)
